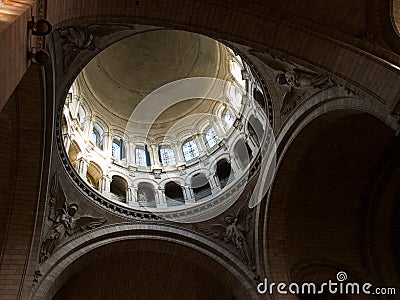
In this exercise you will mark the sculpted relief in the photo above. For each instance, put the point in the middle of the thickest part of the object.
(296, 80)
(65, 223)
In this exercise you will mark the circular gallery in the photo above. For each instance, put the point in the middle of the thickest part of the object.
(169, 131)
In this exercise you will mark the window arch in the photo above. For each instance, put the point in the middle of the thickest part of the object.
(118, 188)
(93, 174)
(200, 186)
(117, 148)
(167, 156)
(146, 194)
(73, 153)
(224, 172)
(243, 153)
(142, 158)
(174, 194)
(229, 118)
(97, 135)
(190, 150)
(211, 137)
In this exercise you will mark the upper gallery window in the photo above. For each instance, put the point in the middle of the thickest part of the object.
(97, 135)
(229, 119)
(211, 137)
(141, 157)
(167, 156)
(190, 150)
(117, 149)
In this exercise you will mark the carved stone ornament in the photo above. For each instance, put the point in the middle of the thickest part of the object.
(296, 79)
(77, 39)
(65, 223)
(234, 230)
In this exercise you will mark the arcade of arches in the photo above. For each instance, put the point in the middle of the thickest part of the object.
(100, 202)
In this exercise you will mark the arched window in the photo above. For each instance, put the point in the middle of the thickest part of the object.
(200, 186)
(229, 118)
(117, 149)
(118, 188)
(190, 150)
(167, 156)
(211, 137)
(97, 135)
(146, 195)
(142, 156)
(174, 194)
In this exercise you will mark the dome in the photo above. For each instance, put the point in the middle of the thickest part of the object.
(165, 121)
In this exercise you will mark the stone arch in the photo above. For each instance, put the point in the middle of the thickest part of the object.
(94, 174)
(174, 193)
(146, 194)
(241, 151)
(200, 185)
(57, 271)
(118, 188)
(224, 172)
(74, 153)
(312, 182)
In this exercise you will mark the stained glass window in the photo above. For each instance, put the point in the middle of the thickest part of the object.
(229, 119)
(140, 156)
(211, 137)
(167, 156)
(116, 148)
(190, 150)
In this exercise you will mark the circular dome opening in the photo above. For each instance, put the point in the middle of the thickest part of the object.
(165, 121)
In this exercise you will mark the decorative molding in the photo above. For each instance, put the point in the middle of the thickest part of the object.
(83, 39)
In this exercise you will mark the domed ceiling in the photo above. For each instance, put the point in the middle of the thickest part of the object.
(121, 76)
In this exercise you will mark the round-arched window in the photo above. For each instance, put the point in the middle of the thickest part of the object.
(190, 150)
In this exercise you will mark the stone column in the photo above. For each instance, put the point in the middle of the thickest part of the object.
(105, 183)
(179, 155)
(189, 195)
(133, 197)
(250, 141)
(88, 127)
(155, 157)
(200, 144)
(235, 164)
(214, 183)
(130, 151)
(67, 141)
(107, 143)
(161, 201)
(219, 131)
(81, 166)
